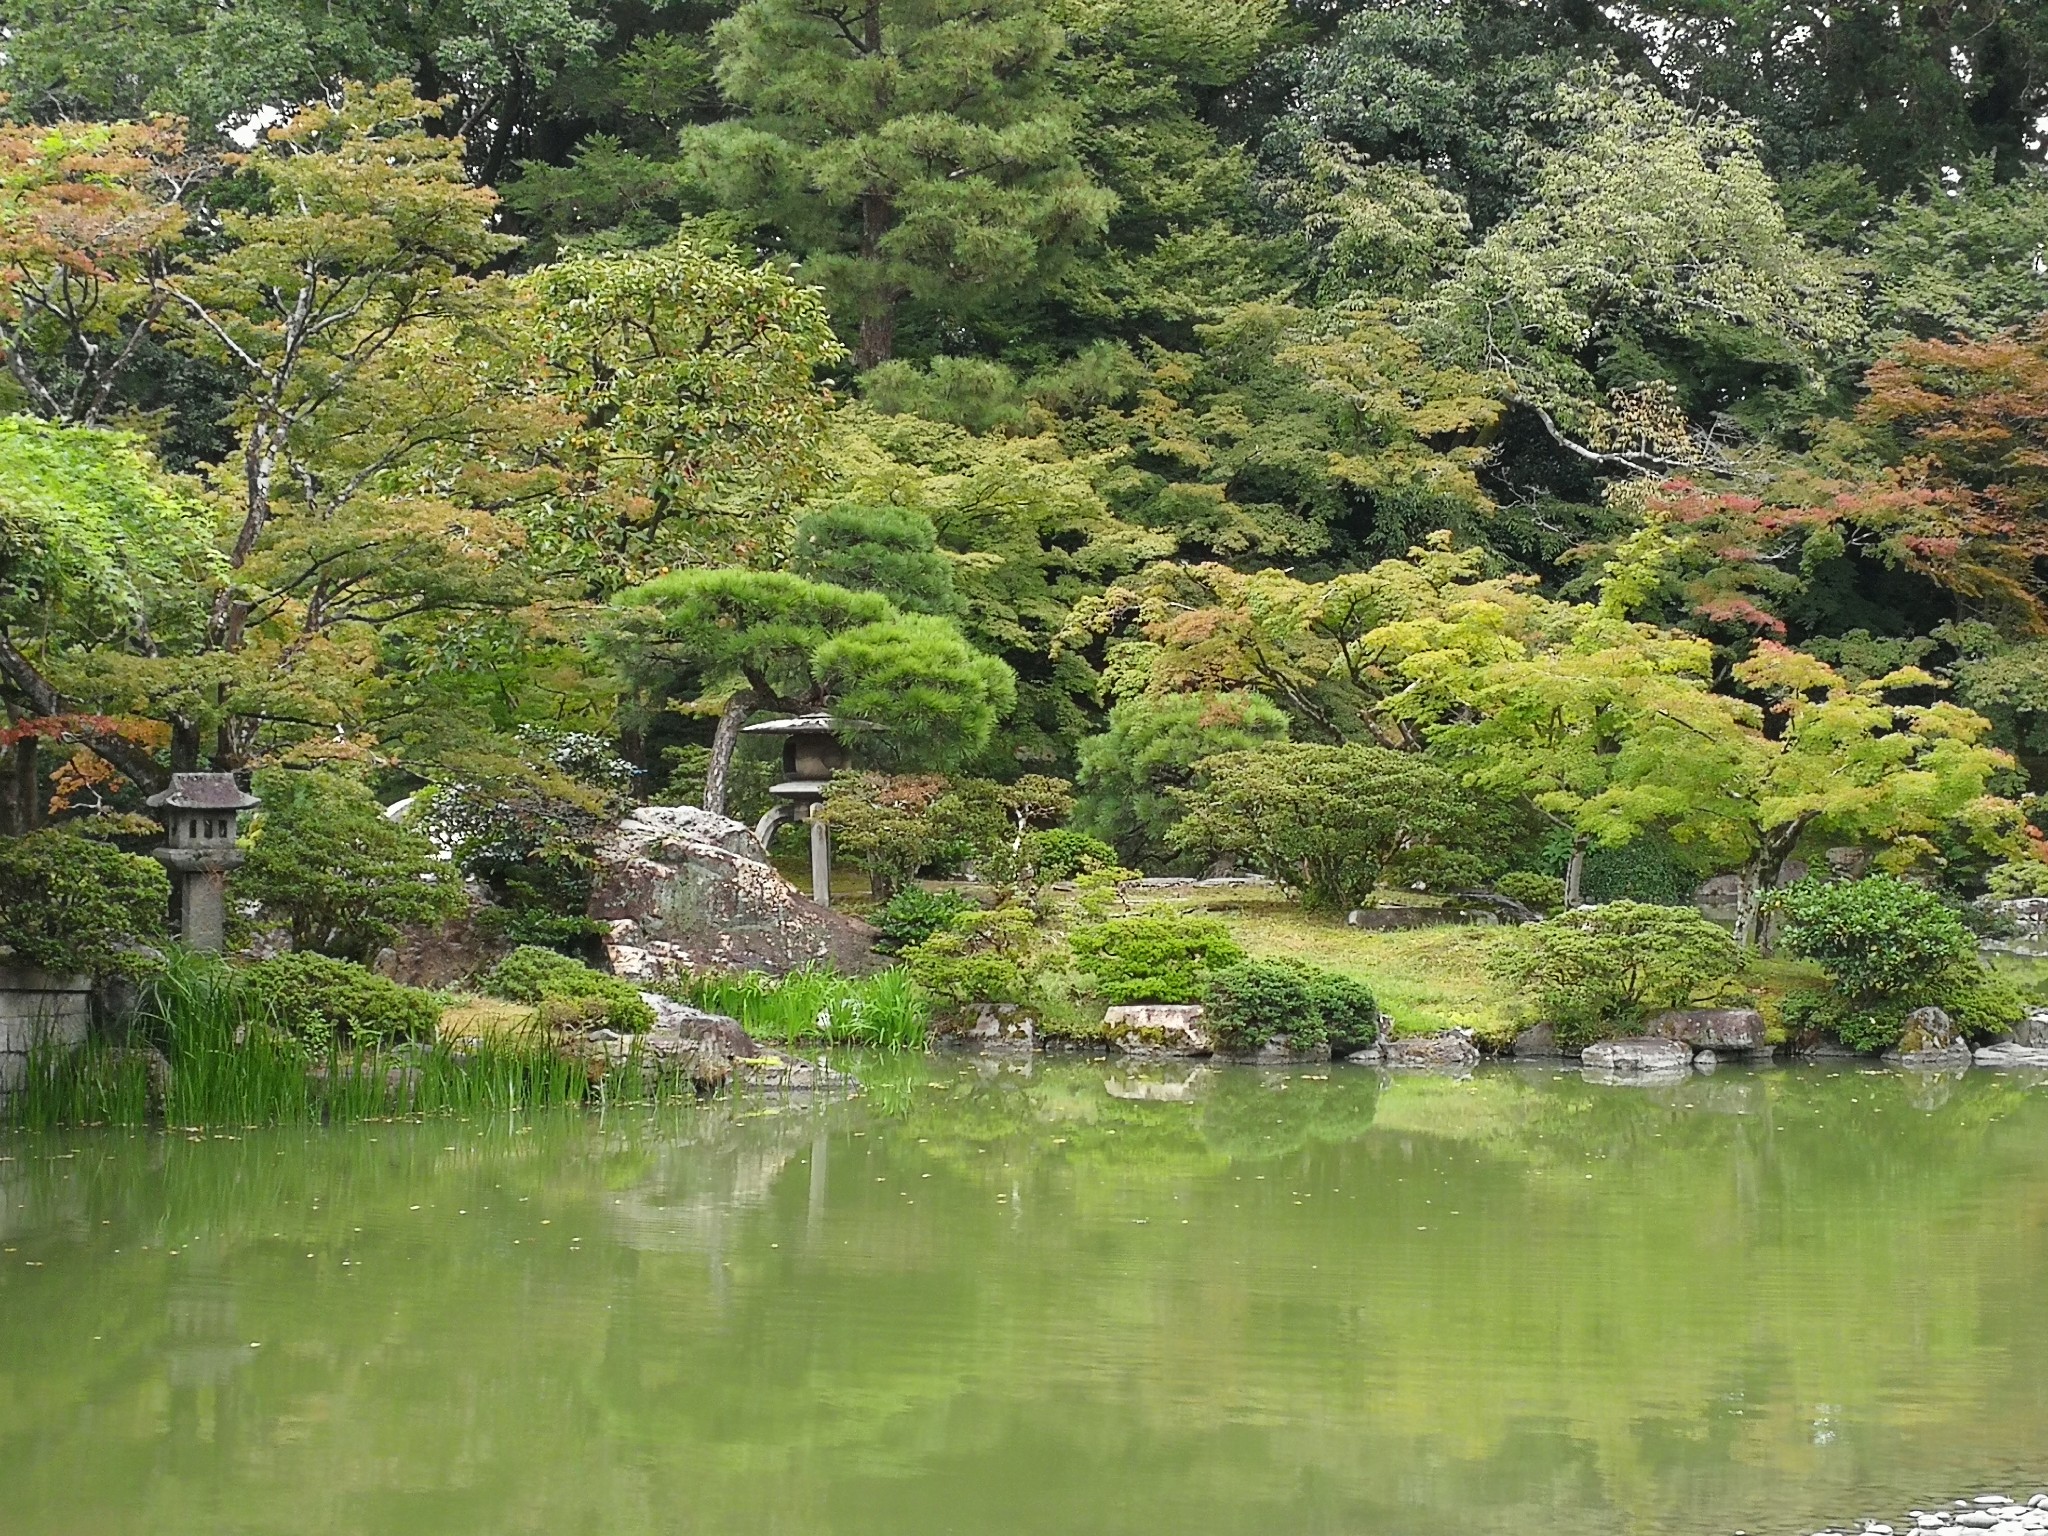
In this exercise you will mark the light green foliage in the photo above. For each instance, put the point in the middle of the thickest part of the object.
(1129, 773)
(1151, 958)
(915, 149)
(1596, 971)
(691, 380)
(1651, 224)
(1060, 854)
(815, 1004)
(913, 915)
(932, 696)
(980, 957)
(325, 860)
(70, 904)
(1330, 822)
(531, 974)
(324, 1003)
(887, 826)
(1542, 893)
(1964, 257)
(97, 544)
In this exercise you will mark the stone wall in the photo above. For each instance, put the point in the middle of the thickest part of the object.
(38, 1006)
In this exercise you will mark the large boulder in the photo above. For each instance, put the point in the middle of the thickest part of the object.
(1931, 1040)
(1640, 1055)
(1536, 1043)
(1449, 1050)
(680, 890)
(1711, 1029)
(1160, 1029)
(2011, 1054)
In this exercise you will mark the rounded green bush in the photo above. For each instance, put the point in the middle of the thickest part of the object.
(321, 1002)
(68, 903)
(1876, 938)
(1252, 1001)
(531, 974)
(1061, 854)
(1541, 893)
(1152, 959)
(914, 914)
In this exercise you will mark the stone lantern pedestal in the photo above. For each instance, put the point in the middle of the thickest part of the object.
(812, 752)
(201, 813)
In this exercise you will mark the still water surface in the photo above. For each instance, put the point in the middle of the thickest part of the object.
(997, 1300)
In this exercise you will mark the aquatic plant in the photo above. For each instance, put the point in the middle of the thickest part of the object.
(816, 1003)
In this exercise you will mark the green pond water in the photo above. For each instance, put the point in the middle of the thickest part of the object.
(989, 1299)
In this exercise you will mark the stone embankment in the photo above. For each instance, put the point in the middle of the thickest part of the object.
(1991, 1513)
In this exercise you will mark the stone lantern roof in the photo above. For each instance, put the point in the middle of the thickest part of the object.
(204, 792)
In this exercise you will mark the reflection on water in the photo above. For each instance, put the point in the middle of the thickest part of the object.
(1001, 1297)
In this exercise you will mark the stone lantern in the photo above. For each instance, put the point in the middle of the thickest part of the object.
(812, 751)
(201, 813)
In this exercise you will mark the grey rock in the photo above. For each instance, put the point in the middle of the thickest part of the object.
(680, 890)
(1716, 1029)
(1977, 1519)
(1638, 1054)
(993, 1026)
(2008, 1056)
(1449, 1050)
(1537, 1042)
(1159, 1029)
(1705, 1061)
(2033, 1029)
(672, 1017)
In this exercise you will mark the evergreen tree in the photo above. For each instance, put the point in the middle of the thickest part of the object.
(901, 149)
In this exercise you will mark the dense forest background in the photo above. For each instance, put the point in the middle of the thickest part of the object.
(428, 393)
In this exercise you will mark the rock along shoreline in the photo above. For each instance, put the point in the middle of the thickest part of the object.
(1991, 1513)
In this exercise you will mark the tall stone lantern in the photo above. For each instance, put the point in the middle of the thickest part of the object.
(812, 751)
(201, 813)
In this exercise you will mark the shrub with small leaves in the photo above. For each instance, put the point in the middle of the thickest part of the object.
(979, 957)
(1254, 1001)
(531, 974)
(68, 903)
(1061, 854)
(1153, 959)
(914, 914)
(1540, 893)
(322, 1003)
(1876, 938)
(1597, 970)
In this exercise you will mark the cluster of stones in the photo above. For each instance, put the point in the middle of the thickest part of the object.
(1991, 1512)
(703, 1051)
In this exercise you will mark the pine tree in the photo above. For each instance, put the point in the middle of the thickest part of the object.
(901, 149)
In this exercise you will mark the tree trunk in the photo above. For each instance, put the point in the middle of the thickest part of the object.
(724, 742)
(1749, 899)
(1575, 874)
(27, 769)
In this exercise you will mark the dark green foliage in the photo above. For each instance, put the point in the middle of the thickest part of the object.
(323, 1003)
(68, 903)
(325, 860)
(1597, 971)
(1152, 959)
(1058, 853)
(1541, 893)
(1816, 1013)
(1985, 1006)
(980, 957)
(890, 550)
(914, 914)
(1129, 775)
(531, 974)
(1254, 1001)
(1876, 938)
(1648, 868)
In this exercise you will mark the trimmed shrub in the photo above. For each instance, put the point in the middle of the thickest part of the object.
(1986, 1006)
(531, 974)
(914, 914)
(1876, 938)
(1153, 959)
(68, 903)
(1540, 893)
(979, 957)
(1597, 971)
(322, 1002)
(1062, 854)
(1252, 1001)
